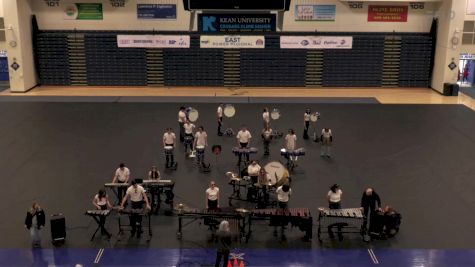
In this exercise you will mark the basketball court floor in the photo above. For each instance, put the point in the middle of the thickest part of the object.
(414, 147)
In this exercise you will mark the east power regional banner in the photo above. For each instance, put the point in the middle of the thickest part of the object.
(232, 41)
(153, 41)
(316, 42)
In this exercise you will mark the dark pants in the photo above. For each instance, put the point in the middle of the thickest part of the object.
(263, 197)
(121, 192)
(221, 254)
(282, 205)
(334, 205)
(367, 213)
(305, 130)
(243, 145)
(169, 158)
(220, 124)
(102, 221)
(212, 204)
(182, 131)
(136, 219)
(266, 146)
(188, 141)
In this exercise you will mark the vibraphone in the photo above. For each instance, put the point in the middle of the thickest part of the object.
(131, 212)
(97, 215)
(212, 218)
(346, 220)
(296, 217)
(157, 187)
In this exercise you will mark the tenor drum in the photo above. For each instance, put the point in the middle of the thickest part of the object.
(275, 114)
(193, 115)
(276, 171)
(229, 111)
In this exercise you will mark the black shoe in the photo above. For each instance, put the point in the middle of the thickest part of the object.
(220, 134)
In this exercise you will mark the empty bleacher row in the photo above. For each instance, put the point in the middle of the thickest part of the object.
(108, 65)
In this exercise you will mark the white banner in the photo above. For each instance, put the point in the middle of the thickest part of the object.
(153, 41)
(232, 41)
(316, 42)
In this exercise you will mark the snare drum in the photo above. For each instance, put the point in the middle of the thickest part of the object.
(229, 110)
(275, 114)
(168, 150)
(193, 115)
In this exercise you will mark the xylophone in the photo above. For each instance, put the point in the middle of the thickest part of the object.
(242, 151)
(134, 212)
(212, 218)
(99, 217)
(346, 220)
(297, 217)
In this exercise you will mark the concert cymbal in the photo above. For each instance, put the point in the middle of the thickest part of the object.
(241, 210)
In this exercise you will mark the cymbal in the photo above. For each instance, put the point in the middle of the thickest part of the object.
(180, 206)
(231, 174)
(241, 210)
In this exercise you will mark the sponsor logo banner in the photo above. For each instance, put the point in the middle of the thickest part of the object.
(153, 41)
(232, 41)
(316, 42)
(387, 13)
(84, 11)
(156, 11)
(236, 23)
(315, 12)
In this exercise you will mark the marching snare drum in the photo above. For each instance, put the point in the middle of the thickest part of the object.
(314, 117)
(275, 114)
(168, 150)
(193, 115)
(275, 171)
(229, 110)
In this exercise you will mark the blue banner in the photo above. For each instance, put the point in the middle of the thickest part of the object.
(156, 11)
(230, 23)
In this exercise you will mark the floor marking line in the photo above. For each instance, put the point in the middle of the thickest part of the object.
(99, 255)
(373, 256)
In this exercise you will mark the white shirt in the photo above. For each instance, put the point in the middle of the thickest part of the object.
(306, 116)
(244, 136)
(290, 141)
(169, 138)
(189, 128)
(135, 193)
(326, 134)
(265, 116)
(335, 197)
(253, 170)
(201, 138)
(100, 202)
(181, 116)
(212, 193)
(219, 112)
(122, 174)
(283, 196)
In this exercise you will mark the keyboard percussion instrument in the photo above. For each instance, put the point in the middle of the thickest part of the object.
(99, 217)
(296, 217)
(346, 220)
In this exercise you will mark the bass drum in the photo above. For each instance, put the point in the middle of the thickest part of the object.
(229, 111)
(193, 115)
(276, 172)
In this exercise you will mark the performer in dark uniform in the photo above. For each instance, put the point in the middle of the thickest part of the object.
(370, 202)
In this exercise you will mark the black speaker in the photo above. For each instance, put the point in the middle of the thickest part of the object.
(58, 228)
(447, 89)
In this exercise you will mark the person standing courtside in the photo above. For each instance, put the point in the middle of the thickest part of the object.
(137, 196)
(243, 139)
(370, 203)
(212, 196)
(181, 122)
(224, 243)
(219, 114)
(34, 222)
(306, 123)
(327, 139)
(122, 175)
(169, 139)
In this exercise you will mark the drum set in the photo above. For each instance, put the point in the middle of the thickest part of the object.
(262, 193)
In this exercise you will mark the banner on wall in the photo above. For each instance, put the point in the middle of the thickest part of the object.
(153, 41)
(156, 11)
(84, 11)
(387, 13)
(316, 42)
(315, 12)
(232, 41)
(236, 23)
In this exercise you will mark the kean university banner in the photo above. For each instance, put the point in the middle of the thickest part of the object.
(232, 41)
(316, 42)
(153, 41)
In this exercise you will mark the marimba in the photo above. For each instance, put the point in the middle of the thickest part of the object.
(157, 187)
(99, 217)
(346, 220)
(297, 217)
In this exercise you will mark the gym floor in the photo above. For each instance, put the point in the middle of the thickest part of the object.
(419, 158)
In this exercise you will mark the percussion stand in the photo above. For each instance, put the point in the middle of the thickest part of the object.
(97, 218)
